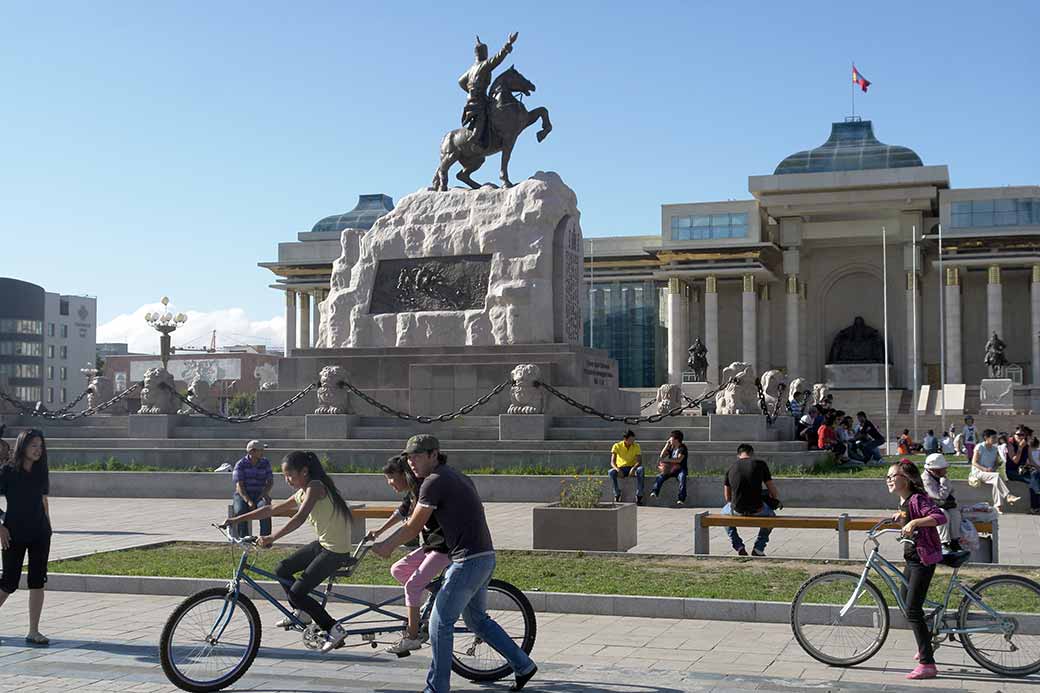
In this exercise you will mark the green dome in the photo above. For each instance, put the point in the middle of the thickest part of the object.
(368, 209)
(852, 146)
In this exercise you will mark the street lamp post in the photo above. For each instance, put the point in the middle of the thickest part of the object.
(165, 323)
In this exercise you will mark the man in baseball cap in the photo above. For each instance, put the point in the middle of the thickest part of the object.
(423, 442)
(937, 486)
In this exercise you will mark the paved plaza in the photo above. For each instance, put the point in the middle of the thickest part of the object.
(108, 643)
(87, 525)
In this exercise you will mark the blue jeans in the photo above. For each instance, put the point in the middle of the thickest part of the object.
(865, 451)
(1031, 478)
(763, 532)
(242, 507)
(464, 593)
(680, 473)
(627, 471)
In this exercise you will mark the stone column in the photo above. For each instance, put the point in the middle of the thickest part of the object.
(910, 360)
(711, 327)
(749, 320)
(765, 332)
(954, 374)
(1034, 295)
(994, 303)
(678, 332)
(794, 330)
(305, 320)
(315, 316)
(290, 321)
(808, 370)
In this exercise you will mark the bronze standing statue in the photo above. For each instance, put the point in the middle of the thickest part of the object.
(492, 119)
(698, 361)
(995, 358)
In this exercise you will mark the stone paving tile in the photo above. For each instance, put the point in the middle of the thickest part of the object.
(89, 525)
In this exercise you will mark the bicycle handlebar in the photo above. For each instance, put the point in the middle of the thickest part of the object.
(243, 541)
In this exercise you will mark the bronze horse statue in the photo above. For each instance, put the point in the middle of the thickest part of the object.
(507, 118)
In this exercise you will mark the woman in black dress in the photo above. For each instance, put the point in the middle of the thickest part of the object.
(26, 525)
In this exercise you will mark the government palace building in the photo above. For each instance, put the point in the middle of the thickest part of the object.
(771, 280)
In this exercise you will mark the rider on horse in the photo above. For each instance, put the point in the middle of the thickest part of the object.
(475, 82)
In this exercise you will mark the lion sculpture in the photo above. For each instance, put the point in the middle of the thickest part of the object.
(773, 386)
(669, 396)
(200, 393)
(332, 397)
(157, 393)
(740, 396)
(524, 397)
(820, 394)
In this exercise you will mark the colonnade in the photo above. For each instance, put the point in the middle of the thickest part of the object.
(301, 317)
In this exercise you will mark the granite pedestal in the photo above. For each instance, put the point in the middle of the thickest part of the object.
(997, 396)
(856, 376)
(329, 426)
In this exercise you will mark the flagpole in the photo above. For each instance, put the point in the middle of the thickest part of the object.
(592, 282)
(942, 337)
(913, 298)
(853, 92)
(884, 289)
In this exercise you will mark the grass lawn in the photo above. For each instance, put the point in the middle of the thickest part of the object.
(676, 576)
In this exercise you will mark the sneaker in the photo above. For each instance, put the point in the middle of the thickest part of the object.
(288, 623)
(741, 551)
(617, 497)
(334, 639)
(1013, 499)
(639, 500)
(653, 494)
(680, 501)
(756, 552)
(522, 679)
(923, 671)
(404, 646)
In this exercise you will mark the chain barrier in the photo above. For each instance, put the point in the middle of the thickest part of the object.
(633, 420)
(241, 419)
(770, 416)
(65, 416)
(447, 416)
(37, 410)
(646, 404)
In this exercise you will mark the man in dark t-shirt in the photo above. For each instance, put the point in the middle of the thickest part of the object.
(742, 490)
(450, 497)
(672, 463)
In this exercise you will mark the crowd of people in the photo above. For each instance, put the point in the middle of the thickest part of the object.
(853, 441)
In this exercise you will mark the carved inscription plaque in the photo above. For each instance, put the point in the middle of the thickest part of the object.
(458, 282)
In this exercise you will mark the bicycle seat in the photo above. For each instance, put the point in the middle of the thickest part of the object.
(955, 559)
(346, 567)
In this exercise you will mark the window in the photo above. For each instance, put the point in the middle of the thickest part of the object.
(705, 227)
(27, 393)
(50, 329)
(988, 213)
(64, 396)
(64, 352)
(64, 373)
(50, 351)
(63, 306)
(64, 331)
(21, 326)
(19, 370)
(21, 348)
(50, 395)
(50, 372)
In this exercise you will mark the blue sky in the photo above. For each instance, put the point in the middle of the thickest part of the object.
(196, 136)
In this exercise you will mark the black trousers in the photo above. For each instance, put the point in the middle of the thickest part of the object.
(919, 576)
(39, 551)
(317, 564)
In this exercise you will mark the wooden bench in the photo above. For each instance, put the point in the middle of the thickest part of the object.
(843, 524)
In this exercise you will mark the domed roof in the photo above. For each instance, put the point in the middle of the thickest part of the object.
(368, 209)
(852, 146)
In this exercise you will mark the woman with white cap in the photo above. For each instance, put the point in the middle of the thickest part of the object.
(937, 486)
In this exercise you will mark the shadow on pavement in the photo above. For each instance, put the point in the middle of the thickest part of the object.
(112, 532)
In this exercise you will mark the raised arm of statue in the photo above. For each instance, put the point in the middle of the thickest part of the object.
(498, 57)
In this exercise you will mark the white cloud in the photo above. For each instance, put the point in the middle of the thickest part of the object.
(233, 326)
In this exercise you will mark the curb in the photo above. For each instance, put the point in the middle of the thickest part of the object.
(543, 602)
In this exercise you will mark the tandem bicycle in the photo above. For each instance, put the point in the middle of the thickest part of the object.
(842, 619)
(211, 639)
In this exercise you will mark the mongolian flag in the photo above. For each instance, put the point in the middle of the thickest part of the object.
(858, 78)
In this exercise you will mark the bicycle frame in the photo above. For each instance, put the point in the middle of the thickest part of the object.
(897, 583)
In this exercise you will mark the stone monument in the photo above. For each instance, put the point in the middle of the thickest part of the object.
(857, 358)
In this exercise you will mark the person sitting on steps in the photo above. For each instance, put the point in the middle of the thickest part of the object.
(672, 464)
(626, 459)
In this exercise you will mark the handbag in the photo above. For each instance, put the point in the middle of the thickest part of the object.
(973, 480)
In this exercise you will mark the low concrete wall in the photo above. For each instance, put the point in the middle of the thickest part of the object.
(852, 494)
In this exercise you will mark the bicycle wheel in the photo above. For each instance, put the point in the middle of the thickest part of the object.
(1015, 651)
(825, 634)
(474, 659)
(209, 641)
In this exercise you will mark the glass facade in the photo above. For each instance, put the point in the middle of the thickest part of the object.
(26, 393)
(986, 213)
(13, 348)
(19, 370)
(12, 326)
(708, 227)
(626, 322)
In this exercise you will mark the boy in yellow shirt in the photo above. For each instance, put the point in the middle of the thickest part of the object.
(626, 460)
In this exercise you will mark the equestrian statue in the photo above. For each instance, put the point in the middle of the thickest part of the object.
(492, 118)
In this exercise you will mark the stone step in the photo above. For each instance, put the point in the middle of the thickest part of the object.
(468, 421)
(643, 432)
(401, 433)
(52, 432)
(681, 422)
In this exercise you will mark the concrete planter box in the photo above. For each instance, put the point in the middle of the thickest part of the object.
(610, 527)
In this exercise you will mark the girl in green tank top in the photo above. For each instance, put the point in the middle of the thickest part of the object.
(316, 501)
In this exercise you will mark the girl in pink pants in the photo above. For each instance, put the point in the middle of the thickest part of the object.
(420, 567)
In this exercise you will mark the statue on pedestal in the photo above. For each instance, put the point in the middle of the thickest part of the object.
(995, 359)
(698, 361)
(492, 119)
(858, 343)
